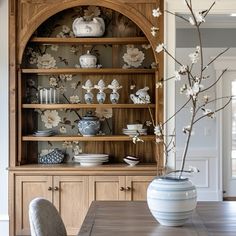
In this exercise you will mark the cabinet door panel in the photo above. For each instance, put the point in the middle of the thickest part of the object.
(71, 200)
(106, 188)
(28, 188)
(138, 187)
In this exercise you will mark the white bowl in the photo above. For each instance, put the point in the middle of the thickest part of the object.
(135, 126)
(131, 162)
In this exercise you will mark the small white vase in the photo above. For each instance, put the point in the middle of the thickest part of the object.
(171, 201)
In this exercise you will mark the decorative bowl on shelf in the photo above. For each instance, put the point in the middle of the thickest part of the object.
(130, 160)
(54, 157)
(135, 126)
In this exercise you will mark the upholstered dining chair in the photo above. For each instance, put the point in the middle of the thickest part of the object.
(44, 219)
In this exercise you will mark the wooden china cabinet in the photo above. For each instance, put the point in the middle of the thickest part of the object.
(43, 28)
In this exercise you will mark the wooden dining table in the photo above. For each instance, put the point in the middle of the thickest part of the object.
(127, 218)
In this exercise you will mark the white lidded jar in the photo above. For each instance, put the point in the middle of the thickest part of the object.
(88, 60)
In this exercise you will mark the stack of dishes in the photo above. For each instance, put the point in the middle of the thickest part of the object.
(134, 129)
(133, 132)
(91, 159)
(44, 133)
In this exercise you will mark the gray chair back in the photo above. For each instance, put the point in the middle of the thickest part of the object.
(45, 219)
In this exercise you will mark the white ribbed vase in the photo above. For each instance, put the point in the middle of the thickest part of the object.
(171, 201)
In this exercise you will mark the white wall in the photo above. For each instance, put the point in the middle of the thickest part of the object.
(4, 218)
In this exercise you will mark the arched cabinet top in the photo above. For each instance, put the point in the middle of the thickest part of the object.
(33, 13)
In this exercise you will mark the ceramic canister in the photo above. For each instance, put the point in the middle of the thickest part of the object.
(89, 125)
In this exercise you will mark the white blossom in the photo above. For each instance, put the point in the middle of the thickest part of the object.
(134, 57)
(160, 48)
(159, 140)
(157, 130)
(154, 31)
(46, 61)
(198, 17)
(54, 47)
(193, 169)
(68, 77)
(183, 88)
(146, 46)
(153, 65)
(183, 69)
(177, 76)
(194, 57)
(191, 20)
(67, 144)
(159, 85)
(77, 150)
(74, 99)
(53, 81)
(50, 118)
(156, 12)
(137, 139)
(148, 123)
(73, 85)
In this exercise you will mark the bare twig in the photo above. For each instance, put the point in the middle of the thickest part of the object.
(211, 113)
(215, 58)
(214, 82)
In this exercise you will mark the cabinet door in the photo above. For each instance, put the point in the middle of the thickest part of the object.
(136, 187)
(103, 188)
(26, 189)
(71, 200)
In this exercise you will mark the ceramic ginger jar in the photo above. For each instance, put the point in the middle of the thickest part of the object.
(88, 60)
(89, 125)
(93, 28)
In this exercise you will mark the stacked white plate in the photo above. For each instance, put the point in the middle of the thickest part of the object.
(132, 132)
(44, 133)
(91, 159)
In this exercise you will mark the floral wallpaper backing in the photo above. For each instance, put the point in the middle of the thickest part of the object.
(69, 87)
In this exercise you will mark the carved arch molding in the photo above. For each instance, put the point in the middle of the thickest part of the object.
(32, 13)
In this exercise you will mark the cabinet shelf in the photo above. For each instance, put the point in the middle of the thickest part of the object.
(87, 71)
(76, 167)
(86, 41)
(97, 138)
(89, 106)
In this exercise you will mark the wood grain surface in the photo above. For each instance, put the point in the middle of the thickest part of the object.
(134, 218)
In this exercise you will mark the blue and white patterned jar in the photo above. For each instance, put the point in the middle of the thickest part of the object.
(89, 125)
(171, 201)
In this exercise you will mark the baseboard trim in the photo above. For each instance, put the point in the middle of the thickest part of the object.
(4, 225)
(4, 217)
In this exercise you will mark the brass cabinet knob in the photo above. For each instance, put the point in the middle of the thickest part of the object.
(49, 188)
(122, 189)
(56, 188)
(128, 188)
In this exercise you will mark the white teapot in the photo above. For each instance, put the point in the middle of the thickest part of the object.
(93, 28)
(141, 96)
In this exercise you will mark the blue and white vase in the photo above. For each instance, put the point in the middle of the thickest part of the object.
(171, 201)
(89, 125)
